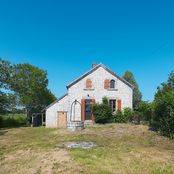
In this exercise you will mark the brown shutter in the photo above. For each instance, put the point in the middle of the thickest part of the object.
(82, 110)
(106, 84)
(88, 83)
(119, 104)
(93, 103)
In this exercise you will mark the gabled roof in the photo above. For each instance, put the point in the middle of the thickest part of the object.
(94, 69)
(56, 101)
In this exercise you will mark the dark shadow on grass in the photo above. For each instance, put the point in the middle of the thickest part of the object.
(2, 132)
(5, 128)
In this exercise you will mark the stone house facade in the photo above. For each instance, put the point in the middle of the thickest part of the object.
(84, 92)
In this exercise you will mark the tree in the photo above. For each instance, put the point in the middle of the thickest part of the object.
(3, 102)
(5, 73)
(30, 84)
(5, 77)
(137, 96)
(163, 117)
(146, 110)
(23, 86)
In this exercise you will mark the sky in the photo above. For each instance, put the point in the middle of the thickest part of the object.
(66, 37)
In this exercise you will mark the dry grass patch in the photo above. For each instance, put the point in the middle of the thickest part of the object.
(121, 148)
(30, 161)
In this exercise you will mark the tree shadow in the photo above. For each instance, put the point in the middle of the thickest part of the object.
(3, 131)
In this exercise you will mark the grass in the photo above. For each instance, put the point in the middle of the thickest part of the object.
(121, 148)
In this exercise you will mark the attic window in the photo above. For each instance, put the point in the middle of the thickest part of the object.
(112, 84)
(88, 84)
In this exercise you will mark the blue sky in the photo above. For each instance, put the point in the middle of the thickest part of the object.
(66, 37)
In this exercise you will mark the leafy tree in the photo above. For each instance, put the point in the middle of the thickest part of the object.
(5, 73)
(146, 110)
(163, 117)
(30, 84)
(137, 96)
(102, 112)
(23, 87)
(5, 77)
(3, 103)
(12, 103)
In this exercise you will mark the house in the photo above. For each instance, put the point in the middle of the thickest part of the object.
(84, 92)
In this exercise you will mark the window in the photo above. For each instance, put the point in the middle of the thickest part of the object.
(112, 104)
(88, 83)
(112, 84)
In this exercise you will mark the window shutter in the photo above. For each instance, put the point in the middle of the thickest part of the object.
(82, 110)
(93, 103)
(119, 103)
(88, 83)
(106, 84)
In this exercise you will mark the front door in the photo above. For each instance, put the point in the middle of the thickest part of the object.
(62, 119)
(88, 109)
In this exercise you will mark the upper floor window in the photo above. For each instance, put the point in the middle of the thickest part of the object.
(112, 84)
(88, 83)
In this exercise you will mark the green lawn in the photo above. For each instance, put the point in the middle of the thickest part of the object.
(121, 148)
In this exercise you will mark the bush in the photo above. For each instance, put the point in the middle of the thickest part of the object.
(12, 120)
(136, 117)
(102, 112)
(118, 117)
(123, 117)
(1, 121)
(128, 114)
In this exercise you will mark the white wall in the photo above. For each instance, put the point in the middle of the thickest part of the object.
(78, 91)
(51, 112)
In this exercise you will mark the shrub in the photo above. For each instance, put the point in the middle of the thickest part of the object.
(136, 117)
(105, 101)
(118, 117)
(102, 112)
(128, 114)
(122, 116)
(1, 121)
(12, 120)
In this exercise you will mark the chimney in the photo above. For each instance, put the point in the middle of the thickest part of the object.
(94, 65)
